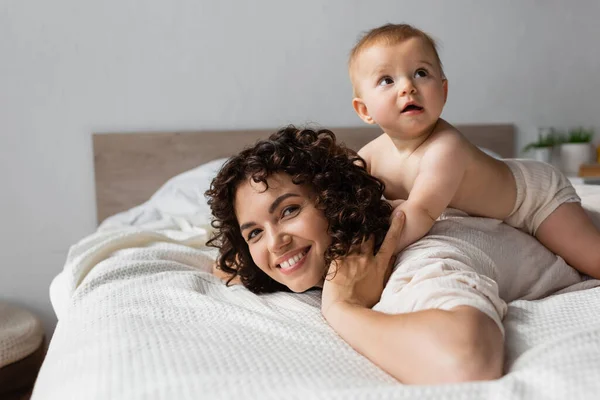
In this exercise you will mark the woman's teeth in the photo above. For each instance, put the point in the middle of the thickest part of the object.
(292, 260)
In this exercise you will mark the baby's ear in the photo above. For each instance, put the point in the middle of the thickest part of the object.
(445, 86)
(361, 109)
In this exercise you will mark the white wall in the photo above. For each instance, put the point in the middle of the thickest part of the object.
(71, 67)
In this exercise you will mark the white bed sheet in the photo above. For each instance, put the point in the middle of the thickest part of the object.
(140, 317)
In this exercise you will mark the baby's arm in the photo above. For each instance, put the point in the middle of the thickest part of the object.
(440, 174)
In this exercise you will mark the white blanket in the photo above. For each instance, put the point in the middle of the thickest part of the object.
(140, 317)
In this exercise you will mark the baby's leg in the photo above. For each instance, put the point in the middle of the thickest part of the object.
(569, 232)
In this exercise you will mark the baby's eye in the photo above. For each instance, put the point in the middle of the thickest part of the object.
(253, 233)
(289, 210)
(386, 80)
(421, 73)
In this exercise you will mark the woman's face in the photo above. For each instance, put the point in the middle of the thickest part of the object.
(287, 236)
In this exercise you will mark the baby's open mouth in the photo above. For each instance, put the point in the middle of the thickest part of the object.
(412, 107)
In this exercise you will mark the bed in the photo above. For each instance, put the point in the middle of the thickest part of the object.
(141, 317)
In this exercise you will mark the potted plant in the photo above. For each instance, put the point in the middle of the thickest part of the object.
(576, 150)
(542, 147)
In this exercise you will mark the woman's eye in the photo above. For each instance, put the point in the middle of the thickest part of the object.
(253, 233)
(289, 210)
(386, 80)
(421, 73)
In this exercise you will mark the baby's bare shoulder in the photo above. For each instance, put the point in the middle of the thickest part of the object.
(369, 150)
(447, 133)
(446, 139)
(373, 146)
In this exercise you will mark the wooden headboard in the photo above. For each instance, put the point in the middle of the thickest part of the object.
(130, 167)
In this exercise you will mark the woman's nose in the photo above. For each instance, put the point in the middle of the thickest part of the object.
(278, 241)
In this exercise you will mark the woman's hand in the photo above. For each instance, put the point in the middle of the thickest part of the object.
(359, 277)
(224, 276)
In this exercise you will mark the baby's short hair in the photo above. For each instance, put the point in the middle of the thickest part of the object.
(390, 34)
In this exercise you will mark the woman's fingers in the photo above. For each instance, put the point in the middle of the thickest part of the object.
(393, 235)
(366, 247)
(388, 271)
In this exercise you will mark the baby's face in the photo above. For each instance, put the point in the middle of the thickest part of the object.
(400, 87)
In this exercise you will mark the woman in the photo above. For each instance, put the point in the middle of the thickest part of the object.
(299, 211)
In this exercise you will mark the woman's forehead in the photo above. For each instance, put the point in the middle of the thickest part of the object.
(250, 192)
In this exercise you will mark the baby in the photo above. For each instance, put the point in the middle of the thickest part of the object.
(428, 165)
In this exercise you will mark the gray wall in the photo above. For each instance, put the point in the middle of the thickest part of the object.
(70, 67)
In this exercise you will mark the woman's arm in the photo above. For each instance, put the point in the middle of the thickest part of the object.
(430, 346)
(423, 347)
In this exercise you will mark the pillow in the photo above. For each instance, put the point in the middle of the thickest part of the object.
(180, 200)
(181, 197)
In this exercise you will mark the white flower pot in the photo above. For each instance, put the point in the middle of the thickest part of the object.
(542, 154)
(572, 155)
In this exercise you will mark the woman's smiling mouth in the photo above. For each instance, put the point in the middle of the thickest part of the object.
(293, 263)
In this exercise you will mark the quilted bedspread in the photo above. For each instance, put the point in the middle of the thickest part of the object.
(141, 317)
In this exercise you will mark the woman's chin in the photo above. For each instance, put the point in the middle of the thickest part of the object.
(301, 288)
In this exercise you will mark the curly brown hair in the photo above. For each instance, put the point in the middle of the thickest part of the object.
(349, 197)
